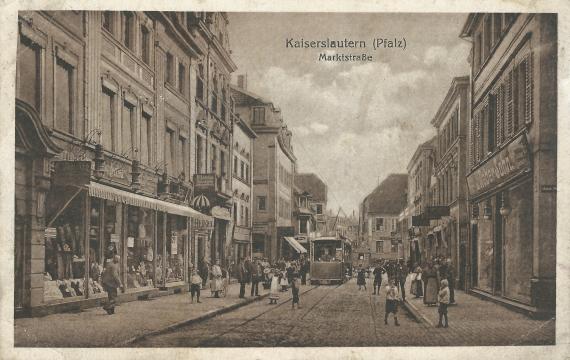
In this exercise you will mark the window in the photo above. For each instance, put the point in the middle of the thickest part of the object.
(29, 72)
(107, 21)
(261, 205)
(200, 162)
(200, 82)
(246, 216)
(303, 226)
(497, 27)
(486, 37)
(183, 156)
(247, 172)
(214, 105)
(319, 209)
(145, 45)
(394, 246)
(477, 54)
(169, 157)
(235, 213)
(258, 116)
(64, 96)
(394, 223)
(491, 121)
(169, 68)
(146, 139)
(127, 128)
(235, 166)
(128, 23)
(379, 224)
(181, 78)
(379, 247)
(108, 120)
(214, 159)
(241, 170)
(223, 163)
(241, 213)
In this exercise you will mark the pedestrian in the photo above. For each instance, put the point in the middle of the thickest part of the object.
(431, 281)
(378, 271)
(417, 284)
(392, 298)
(443, 301)
(111, 282)
(295, 289)
(274, 289)
(361, 278)
(284, 282)
(204, 270)
(216, 283)
(242, 276)
(451, 281)
(256, 274)
(195, 283)
(401, 273)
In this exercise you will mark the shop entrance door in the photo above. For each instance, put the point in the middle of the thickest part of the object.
(498, 250)
(21, 228)
(474, 256)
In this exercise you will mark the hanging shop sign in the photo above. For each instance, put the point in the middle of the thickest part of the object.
(419, 220)
(72, 172)
(436, 212)
(508, 163)
(221, 213)
(202, 224)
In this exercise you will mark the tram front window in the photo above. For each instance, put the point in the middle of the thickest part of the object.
(326, 253)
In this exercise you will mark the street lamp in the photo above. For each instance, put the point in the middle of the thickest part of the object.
(487, 210)
(474, 214)
(505, 210)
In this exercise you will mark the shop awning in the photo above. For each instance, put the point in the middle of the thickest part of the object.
(295, 245)
(109, 193)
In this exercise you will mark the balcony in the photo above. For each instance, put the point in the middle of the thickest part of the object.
(212, 184)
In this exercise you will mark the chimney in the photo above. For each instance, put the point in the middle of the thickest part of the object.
(242, 81)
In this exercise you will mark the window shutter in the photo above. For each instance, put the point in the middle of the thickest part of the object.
(472, 147)
(509, 103)
(528, 89)
(500, 96)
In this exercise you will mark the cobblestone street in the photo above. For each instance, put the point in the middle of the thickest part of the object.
(344, 316)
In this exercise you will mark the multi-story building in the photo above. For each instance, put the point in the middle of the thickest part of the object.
(242, 186)
(110, 109)
(273, 172)
(420, 244)
(379, 215)
(304, 220)
(312, 184)
(511, 170)
(450, 187)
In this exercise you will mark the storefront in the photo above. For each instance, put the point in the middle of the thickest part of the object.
(501, 196)
(87, 222)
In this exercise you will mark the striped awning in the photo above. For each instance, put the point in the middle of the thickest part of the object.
(295, 245)
(109, 193)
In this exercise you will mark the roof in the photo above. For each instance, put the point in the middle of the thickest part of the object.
(388, 197)
(456, 84)
(312, 184)
(428, 145)
(244, 97)
(469, 25)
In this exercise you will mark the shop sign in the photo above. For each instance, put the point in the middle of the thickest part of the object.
(202, 224)
(221, 213)
(72, 172)
(419, 220)
(115, 238)
(436, 212)
(205, 182)
(547, 188)
(130, 242)
(513, 160)
(118, 171)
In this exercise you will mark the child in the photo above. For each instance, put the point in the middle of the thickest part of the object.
(284, 282)
(195, 283)
(443, 300)
(295, 287)
(392, 298)
(274, 289)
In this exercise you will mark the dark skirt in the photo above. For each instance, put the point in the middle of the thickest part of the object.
(361, 281)
(295, 295)
(391, 306)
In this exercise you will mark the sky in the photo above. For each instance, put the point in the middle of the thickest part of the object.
(353, 123)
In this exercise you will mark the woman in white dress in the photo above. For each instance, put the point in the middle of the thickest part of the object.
(216, 284)
(284, 281)
(274, 289)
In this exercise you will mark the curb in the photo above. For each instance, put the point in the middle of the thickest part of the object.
(417, 314)
(208, 315)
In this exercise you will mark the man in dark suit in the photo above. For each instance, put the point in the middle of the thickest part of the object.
(242, 275)
(111, 282)
(256, 276)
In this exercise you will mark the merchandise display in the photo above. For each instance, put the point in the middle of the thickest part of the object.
(139, 248)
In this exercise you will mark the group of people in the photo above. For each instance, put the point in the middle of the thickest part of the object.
(433, 281)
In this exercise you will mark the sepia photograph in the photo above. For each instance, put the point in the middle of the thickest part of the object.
(233, 179)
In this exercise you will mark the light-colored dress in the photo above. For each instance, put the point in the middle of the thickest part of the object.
(217, 282)
(274, 290)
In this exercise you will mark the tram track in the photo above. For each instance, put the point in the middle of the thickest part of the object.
(232, 329)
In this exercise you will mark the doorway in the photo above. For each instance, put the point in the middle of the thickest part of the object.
(474, 256)
(498, 250)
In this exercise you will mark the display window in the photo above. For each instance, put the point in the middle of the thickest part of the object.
(486, 252)
(177, 233)
(139, 248)
(518, 242)
(64, 274)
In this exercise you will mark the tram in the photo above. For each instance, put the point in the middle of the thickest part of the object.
(330, 260)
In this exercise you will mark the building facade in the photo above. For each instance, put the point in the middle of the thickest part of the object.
(420, 244)
(316, 187)
(109, 163)
(511, 172)
(450, 186)
(379, 216)
(273, 173)
(242, 186)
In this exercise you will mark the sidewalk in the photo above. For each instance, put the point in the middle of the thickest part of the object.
(475, 321)
(94, 328)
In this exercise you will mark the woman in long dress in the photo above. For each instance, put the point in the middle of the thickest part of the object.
(431, 282)
(418, 285)
(216, 285)
(274, 289)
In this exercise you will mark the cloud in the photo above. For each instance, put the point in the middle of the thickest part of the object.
(319, 128)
